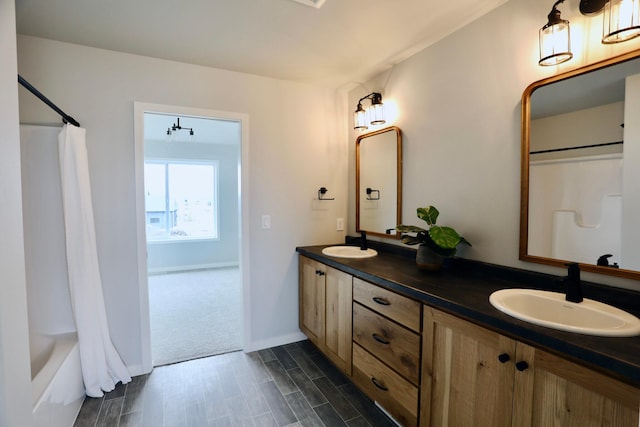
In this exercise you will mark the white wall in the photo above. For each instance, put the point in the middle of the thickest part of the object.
(15, 379)
(458, 103)
(591, 126)
(294, 149)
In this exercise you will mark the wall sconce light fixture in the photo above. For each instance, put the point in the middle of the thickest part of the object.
(555, 39)
(373, 115)
(621, 21)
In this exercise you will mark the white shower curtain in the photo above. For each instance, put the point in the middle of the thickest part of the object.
(102, 367)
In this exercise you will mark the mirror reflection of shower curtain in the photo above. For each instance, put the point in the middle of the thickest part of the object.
(102, 367)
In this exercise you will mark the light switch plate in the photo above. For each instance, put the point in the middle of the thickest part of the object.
(266, 222)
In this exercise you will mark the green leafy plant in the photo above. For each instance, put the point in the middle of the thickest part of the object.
(441, 239)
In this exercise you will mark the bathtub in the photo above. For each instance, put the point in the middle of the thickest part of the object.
(56, 380)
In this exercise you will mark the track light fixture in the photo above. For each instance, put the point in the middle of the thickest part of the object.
(374, 115)
(176, 127)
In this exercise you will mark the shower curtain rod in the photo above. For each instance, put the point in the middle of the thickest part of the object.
(553, 150)
(65, 117)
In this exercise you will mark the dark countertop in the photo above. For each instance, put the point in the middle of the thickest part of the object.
(464, 287)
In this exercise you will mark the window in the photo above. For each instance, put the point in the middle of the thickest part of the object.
(180, 200)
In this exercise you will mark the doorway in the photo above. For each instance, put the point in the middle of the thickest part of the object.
(192, 222)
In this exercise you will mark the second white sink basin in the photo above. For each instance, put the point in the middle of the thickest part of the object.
(550, 309)
(349, 252)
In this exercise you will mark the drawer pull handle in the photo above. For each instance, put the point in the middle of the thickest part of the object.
(377, 384)
(381, 301)
(522, 366)
(379, 339)
(504, 358)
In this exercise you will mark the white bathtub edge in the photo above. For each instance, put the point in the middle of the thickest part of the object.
(58, 389)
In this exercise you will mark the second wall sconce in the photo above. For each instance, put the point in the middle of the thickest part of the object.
(374, 115)
(621, 23)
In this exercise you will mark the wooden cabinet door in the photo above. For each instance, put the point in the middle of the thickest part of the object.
(466, 377)
(312, 299)
(553, 391)
(338, 319)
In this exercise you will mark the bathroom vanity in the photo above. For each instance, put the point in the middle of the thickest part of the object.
(432, 350)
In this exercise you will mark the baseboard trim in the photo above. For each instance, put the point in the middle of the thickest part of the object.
(275, 341)
(136, 370)
(194, 267)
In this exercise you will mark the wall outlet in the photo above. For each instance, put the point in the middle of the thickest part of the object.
(340, 224)
(266, 222)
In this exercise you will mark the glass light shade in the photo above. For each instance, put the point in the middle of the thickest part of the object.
(376, 114)
(621, 21)
(555, 43)
(360, 119)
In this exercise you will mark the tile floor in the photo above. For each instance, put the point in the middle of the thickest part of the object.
(290, 385)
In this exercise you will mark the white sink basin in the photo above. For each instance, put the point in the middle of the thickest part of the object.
(550, 309)
(349, 252)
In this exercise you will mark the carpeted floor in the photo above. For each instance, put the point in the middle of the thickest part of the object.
(195, 314)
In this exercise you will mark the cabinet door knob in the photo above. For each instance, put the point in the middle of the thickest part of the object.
(379, 338)
(378, 384)
(381, 301)
(320, 273)
(504, 358)
(522, 366)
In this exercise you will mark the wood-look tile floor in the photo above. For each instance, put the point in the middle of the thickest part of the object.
(290, 385)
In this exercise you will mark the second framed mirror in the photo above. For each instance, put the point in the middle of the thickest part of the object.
(379, 182)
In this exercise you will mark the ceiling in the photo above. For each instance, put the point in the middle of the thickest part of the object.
(593, 89)
(339, 44)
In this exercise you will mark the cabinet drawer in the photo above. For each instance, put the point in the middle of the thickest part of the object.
(395, 345)
(397, 307)
(395, 394)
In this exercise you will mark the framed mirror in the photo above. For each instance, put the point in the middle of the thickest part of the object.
(379, 182)
(580, 189)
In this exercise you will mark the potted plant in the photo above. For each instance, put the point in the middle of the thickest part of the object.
(436, 242)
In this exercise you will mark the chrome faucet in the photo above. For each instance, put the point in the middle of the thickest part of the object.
(363, 241)
(572, 283)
